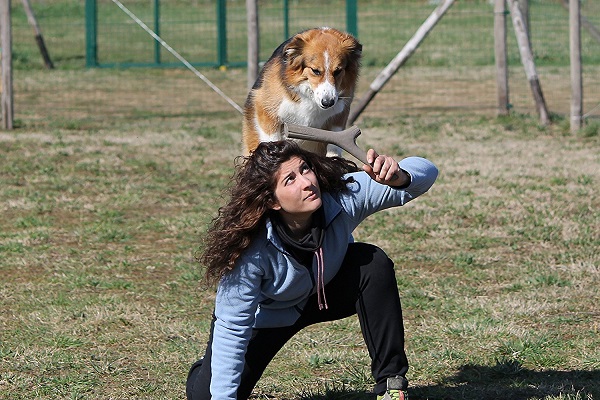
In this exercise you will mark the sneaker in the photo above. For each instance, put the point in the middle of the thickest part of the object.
(395, 389)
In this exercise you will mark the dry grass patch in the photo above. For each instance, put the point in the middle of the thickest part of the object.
(103, 206)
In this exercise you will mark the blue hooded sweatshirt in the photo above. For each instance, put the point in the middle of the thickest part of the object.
(268, 288)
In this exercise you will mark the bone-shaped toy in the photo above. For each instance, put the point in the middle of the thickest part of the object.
(345, 139)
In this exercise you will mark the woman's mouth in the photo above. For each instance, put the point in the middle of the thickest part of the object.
(311, 196)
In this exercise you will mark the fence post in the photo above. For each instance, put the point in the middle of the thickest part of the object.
(157, 31)
(409, 48)
(351, 19)
(575, 51)
(222, 32)
(528, 62)
(7, 80)
(253, 40)
(286, 19)
(583, 21)
(91, 23)
(524, 7)
(500, 52)
(39, 38)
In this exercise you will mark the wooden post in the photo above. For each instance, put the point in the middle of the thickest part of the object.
(524, 7)
(253, 40)
(7, 82)
(38, 34)
(528, 63)
(410, 47)
(591, 28)
(575, 51)
(500, 52)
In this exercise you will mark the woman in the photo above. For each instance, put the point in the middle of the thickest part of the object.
(282, 254)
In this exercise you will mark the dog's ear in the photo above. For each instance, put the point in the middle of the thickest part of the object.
(352, 46)
(293, 51)
(354, 50)
(357, 49)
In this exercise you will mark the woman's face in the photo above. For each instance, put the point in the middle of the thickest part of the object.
(297, 192)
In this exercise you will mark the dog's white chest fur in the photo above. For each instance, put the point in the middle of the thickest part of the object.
(307, 112)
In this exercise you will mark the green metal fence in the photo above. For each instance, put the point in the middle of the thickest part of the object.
(453, 69)
(213, 32)
(218, 24)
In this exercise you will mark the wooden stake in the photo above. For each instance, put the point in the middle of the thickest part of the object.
(500, 51)
(591, 28)
(38, 34)
(528, 63)
(410, 47)
(524, 7)
(7, 81)
(253, 40)
(576, 79)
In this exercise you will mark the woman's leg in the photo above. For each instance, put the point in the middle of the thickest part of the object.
(366, 284)
(263, 346)
(197, 386)
(380, 315)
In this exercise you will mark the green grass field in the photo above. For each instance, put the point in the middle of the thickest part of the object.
(498, 266)
(112, 176)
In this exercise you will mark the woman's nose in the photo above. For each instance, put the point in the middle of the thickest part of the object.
(305, 181)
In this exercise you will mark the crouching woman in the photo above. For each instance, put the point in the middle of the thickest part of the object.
(282, 255)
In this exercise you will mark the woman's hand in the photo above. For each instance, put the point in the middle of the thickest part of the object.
(384, 169)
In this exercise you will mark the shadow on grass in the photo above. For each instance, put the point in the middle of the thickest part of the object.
(512, 381)
(507, 380)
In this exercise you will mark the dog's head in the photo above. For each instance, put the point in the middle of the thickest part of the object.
(324, 63)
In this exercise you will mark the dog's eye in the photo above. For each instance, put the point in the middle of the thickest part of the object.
(316, 71)
(337, 72)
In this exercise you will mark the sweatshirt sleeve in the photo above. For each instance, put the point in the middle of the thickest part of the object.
(235, 308)
(366, 196)
(423, 174)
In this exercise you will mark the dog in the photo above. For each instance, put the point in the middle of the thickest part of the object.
(309, 80)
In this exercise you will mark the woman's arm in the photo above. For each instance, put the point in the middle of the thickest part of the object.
(366, 195)
(235, 308)
(384, 169)
(422, 172)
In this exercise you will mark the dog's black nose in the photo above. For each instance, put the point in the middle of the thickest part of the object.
(326, 103)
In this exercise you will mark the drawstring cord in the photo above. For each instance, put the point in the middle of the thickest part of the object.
(321, 280)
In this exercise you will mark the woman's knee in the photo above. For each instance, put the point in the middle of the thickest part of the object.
(375, 262)
(198, 381)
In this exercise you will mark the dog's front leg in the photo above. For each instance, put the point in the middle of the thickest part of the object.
(332, 149)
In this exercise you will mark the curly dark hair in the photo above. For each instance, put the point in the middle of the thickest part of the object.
(251, 197)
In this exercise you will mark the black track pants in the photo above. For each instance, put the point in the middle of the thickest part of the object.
(366, 286)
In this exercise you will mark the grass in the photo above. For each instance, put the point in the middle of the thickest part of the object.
(111, 177)
(497, 265)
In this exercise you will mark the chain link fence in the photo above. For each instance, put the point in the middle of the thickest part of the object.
(452, 71)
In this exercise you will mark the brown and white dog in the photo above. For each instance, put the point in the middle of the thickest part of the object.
(309, 80)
